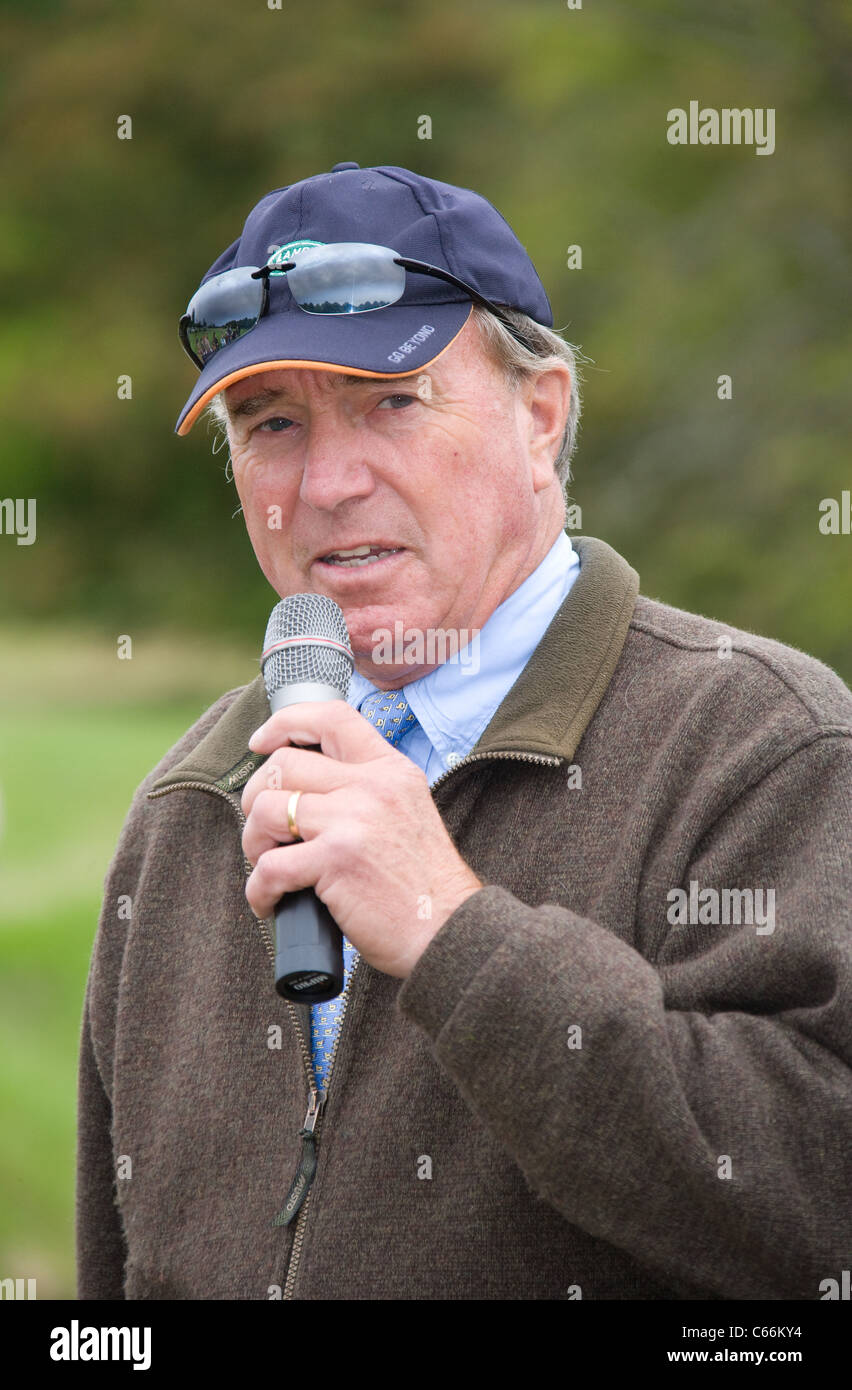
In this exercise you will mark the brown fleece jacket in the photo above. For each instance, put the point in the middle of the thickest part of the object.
(582, 1089)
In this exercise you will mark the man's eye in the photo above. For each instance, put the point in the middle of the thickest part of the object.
(275, 423)
(397, 402)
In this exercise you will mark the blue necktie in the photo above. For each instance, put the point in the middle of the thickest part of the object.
(325, 1022)
(390, 712)
(392, 716)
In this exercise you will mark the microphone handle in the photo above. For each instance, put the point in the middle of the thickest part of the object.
(308, 949)
(308, 941)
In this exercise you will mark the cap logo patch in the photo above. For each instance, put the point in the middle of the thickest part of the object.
(290, 252)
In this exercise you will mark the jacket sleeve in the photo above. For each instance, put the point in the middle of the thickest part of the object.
(99, 1230)
(704, 1123)
(101, 1250)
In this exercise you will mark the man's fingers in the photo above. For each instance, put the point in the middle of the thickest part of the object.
(280, 871)
(268, 826)
(294, 767)
(340, 731)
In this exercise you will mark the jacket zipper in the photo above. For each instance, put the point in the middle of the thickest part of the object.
(549, 759)
(310, 1134)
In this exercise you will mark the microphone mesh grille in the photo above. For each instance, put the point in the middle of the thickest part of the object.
(311, 616)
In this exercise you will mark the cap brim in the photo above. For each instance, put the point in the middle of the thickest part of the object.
(383, 342)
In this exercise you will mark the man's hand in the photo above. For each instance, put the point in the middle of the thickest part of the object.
(373, 846)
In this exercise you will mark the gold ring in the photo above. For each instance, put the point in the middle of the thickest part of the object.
(291, 815)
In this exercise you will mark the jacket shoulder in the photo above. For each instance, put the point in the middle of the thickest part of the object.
(190, 739)
(690, 648)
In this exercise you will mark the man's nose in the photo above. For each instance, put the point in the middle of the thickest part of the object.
(334, 466)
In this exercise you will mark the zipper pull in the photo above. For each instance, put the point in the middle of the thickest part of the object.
(308, 1165)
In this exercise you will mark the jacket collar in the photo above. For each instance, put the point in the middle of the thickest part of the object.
(546, 711)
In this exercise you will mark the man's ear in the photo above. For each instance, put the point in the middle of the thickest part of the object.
(547, 398)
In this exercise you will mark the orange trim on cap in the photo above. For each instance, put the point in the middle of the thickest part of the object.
(243, 372)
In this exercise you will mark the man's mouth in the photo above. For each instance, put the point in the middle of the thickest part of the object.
(358, 555)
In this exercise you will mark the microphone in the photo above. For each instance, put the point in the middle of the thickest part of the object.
(306, 656)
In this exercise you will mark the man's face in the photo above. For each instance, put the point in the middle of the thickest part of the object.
(447, 475)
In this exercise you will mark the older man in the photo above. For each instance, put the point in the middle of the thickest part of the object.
(595, 1035)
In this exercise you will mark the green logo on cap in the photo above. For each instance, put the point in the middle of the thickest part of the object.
(290, 252)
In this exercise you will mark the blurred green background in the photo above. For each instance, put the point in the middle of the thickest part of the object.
(697, 261)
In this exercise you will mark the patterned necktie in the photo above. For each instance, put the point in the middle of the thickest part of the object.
(390, 712)
(325, 1022)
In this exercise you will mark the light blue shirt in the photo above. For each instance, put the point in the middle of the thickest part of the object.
(454, 704)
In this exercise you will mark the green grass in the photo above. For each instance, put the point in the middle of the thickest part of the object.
(67, 773)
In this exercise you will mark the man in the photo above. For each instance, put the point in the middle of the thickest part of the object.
(594, 885)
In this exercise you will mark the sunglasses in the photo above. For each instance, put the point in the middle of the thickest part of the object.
(345, 277)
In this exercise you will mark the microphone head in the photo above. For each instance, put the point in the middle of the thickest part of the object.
(307, 644)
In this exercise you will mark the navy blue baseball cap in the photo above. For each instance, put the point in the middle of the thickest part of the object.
(452, 228)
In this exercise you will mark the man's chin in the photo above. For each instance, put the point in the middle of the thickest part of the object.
(388, 647)
(386, 676)
(375, 628)
(388, 632)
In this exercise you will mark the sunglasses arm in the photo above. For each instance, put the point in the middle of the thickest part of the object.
(477, 298)
(184, 342)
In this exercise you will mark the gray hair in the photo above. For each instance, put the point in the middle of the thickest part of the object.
(549, 349)
(518, 364)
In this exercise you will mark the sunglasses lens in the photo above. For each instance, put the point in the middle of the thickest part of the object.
(346, 278)
(223, 310)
